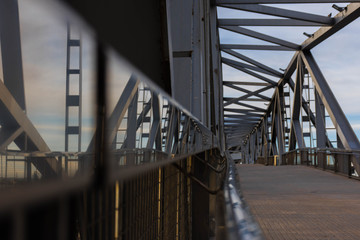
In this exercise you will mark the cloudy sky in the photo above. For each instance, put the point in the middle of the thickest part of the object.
(43, 35)
(44, 63)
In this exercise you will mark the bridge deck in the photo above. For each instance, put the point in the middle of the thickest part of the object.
(298, 202)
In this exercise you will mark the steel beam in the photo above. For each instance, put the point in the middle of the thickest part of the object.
(279, 128)
(279, 12)
(296, 129)
(255, 47)
(139, 120)
(11, 50)
(250, 92)
(342, 125)
(12, 115)
(321, 138)
(342, 19)
(155, 130)
(246, 100)
(252, 73)
(250, 106)
(267, 22)
(171, 130)
(252, 61)
(131, 122)
(119, 111)
(246, 96)
(7, 136)
(246, 66)
(261, 36)
(247, 83)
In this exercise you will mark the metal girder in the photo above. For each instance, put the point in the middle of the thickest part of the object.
(279, 12)
(247, 105)
(7, 136)
(247, 118)
(240, 117)
(235, 126)
(252, 73)
(281, 1)
(239, 126)
(12, 115)
(279, 126)
(342, 19)
(252, 61)
(155, 131)
(119, 111)
(139, 120)
(243, 112)
(247, 83)
(239, 123)
(246, 96)
(251, 106)
(248, 91)
(237, 134)
(122, 106)
(11, 50)
(247, 99)
(308, 111)
(170, 134)
(184, 134)
(267, 22)
(321, 138)
(342, 125)
(131, 122)
(262, 36)
(243, 65)
(296, 130)
(255, 47)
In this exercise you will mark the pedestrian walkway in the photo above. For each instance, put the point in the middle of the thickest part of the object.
(299, 202)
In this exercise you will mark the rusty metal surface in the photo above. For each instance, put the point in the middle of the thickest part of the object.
(297, 202)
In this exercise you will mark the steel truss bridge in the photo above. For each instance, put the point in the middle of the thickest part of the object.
(167, 124)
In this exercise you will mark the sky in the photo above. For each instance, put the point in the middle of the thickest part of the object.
(44, 57)
(44, 65)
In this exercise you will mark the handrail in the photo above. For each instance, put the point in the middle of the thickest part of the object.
(239, 222)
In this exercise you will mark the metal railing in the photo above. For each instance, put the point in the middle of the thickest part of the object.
(339, 161)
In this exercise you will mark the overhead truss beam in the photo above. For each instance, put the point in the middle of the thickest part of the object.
(267, 22)
(279, 12)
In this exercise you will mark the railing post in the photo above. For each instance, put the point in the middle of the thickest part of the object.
(349, 165)
(321, 159)
(304, 157)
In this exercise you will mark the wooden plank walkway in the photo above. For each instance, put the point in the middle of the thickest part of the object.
(299, 202)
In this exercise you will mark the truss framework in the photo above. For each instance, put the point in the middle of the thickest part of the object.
(263, 132)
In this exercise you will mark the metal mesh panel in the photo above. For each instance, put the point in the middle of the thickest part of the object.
(154, 205)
